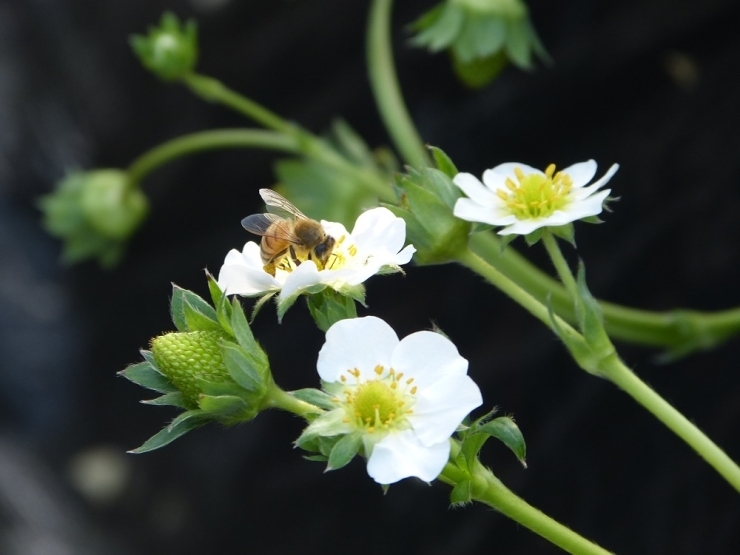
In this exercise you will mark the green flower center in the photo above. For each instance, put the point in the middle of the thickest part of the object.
(382, 403)
(536, 196)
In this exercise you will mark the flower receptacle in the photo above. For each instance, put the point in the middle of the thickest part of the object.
(170, 50)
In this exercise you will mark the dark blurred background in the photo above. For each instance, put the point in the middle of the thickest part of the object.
(651, 84)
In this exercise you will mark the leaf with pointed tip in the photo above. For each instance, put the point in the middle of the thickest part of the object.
(444, 163)
(505, 429)
(200, 316)
(344, 451)
(226, 407)
(315, 397)
(242, 331)
(145, 375)
(181, 425)
(173, 399)
(243, 368)
(317, 458)
(258, 306)
(462, 493)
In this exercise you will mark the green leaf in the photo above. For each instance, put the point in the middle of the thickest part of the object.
(221, 302)
(471, 446)
(490, 36)
(178, 427)
(518, 45)
(351, 144)
(243, 368)
(242, 331)
(505, 429)
(565, 232)
(200, 316)
(259, 304)
(462, 493)
(227, 409)
(445, 29)
(186, 302)
(326, 444)
(534, 237)
(318, 458)
(146, 375)
(344, 451)
(444, 163)
(173, 399)
(315, 397)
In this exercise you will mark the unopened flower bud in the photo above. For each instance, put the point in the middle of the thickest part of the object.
(170, 51)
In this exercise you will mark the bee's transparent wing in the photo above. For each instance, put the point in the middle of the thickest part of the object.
(278, 205)
(261, 224)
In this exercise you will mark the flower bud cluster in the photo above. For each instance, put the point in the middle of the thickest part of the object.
(170, 50)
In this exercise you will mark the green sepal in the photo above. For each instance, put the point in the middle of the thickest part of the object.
(444, 163)
(505, 429)
(426, 202)
(149, 357)
(534, 237)
(316, 458)
(192, 313)
(328, 307)
(173, 399)
(315, 397)
(285, 303)
(566, 232)
(326, 444)
(245, 369)
(221, 302)
(462, 493)
(181, 425)
(590, 317)
(243, 334)
(351, 144)
(146, 375)
(227, 409)
(592, 220)
(262, 301)
(344, 451)
(439, 27)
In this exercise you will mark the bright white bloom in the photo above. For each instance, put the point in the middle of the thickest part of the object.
(405, 397)
(375, 245)
(525, 199)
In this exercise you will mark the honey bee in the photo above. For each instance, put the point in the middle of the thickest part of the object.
(286, 231)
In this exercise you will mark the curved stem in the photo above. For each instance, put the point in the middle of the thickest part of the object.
(616, 371)
(490, 490)
(682, 330)
(384, 82)
(212, 90)
(561, 265)
(207, 140)
(534, 306)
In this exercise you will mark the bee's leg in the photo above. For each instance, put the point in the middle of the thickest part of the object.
(294, 256)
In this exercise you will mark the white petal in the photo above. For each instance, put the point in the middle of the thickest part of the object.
(606, 177)
(427, 356)
(469, 210)
(404, 257)
(379, 230)
(242, 273)
(524, 227)
(441, 407)
(496, 177)
(587, 207)
(400, 455)
(302, 277)
(474, 189)
(361, 343)
(581, 173)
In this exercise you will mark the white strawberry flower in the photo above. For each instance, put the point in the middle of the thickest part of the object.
(525, 199)
(405, 398)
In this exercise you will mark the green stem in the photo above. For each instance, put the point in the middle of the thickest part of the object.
(534, 306)
(207, 140)
(616, 371)
(384, 82)
(561, 265)
(490, 490)
(279, 399)
(681, 330)
(212, 90)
